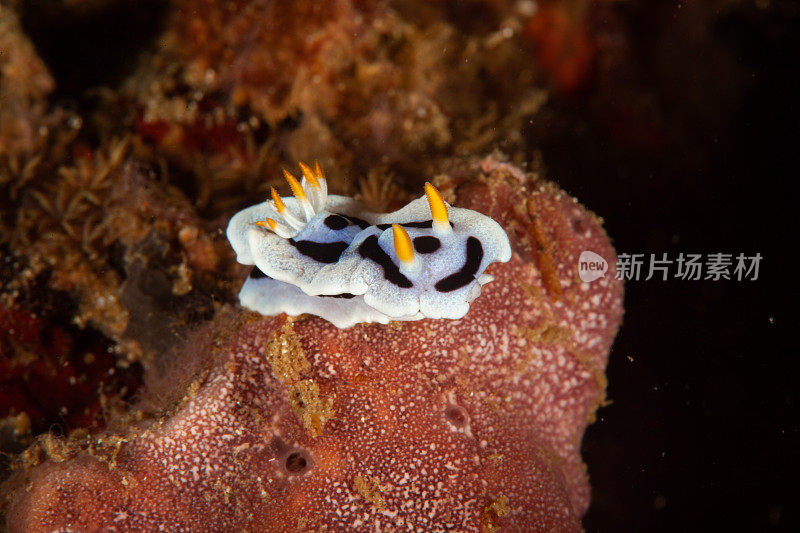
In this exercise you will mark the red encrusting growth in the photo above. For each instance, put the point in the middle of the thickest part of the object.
(467, 425)
(60, 379)
(563, 45)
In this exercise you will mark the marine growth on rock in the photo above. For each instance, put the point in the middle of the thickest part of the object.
(471, 424)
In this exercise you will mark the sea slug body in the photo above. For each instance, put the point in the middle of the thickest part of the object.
(326, 255)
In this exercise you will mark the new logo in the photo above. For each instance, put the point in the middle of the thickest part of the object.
(591, 266)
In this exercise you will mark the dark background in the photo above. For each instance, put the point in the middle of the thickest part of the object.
(702, 432)
(685, 140)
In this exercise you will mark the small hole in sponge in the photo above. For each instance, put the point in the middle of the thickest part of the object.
(456, 415)
(579, 225)
(296, 463)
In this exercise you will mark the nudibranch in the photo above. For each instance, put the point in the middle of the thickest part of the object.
(327, 256)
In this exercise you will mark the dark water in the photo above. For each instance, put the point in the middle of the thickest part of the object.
(703, 430)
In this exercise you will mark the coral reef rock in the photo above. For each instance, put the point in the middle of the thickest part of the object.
(293, 425)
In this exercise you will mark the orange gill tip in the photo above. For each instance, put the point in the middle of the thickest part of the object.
(297, 190)
(402, 244)
(436, 202)
(267, 222)
(276, 199)
(318, 170)
(309, 174)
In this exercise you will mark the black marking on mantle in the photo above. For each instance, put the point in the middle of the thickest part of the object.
(466, 275)
(369, 249)
(323, 252)
(424, 224)
(426, 244)
(363, 224)
(336, 222)
(346, 295)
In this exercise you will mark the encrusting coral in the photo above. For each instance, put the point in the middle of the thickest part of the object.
(471, 425)
(238, 87)
(25, 81)
(373, 89)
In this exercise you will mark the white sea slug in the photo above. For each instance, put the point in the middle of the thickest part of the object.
(327, 256)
